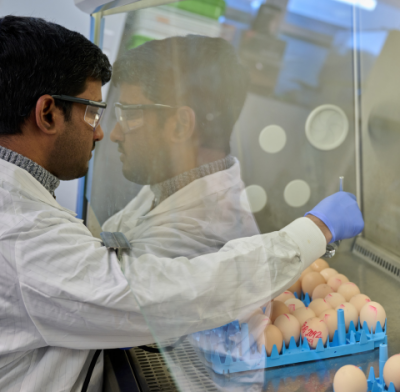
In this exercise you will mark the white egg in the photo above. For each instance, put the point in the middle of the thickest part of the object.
(328, 272)
(319, 265)
(350, 378)
(294, 304)
(289, 326)
(372, 312)
(321, 291)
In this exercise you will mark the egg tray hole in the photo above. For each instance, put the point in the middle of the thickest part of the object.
(236, 352)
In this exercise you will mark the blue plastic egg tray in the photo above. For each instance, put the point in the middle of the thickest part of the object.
(231, 349)
(377, 384)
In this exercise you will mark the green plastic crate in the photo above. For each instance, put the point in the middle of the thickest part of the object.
(209, 8)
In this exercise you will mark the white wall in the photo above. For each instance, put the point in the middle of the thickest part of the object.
(65, 13)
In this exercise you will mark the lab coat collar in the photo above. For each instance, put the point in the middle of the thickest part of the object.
(22, 180)
(200, 188)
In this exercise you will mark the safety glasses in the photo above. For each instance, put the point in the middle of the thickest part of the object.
(94, 110)
(131, 117)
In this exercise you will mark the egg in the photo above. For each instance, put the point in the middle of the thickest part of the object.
(359, 300)
(330, 319)
(296, 288)
(289, 326)
(247, 317)
(350, 378)
(319, 265)
(305, 272)
(328, 272)
(272, 335)
(350, 314)
(334, 299)
(275, 309)
(293, 304)
(284, 296)
(348, 290)
(313, 330)
(303, 314)
(321, 291)
(372, 312)
(391, 372)
(337, 280)
(311, 281)
(319, 305)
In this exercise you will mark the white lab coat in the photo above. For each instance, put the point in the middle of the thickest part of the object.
(62, 294)
(198, 219)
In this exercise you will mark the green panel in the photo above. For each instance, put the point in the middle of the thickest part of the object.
(137, 40)
(211, 9)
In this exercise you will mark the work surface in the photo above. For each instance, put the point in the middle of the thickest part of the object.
(314, 376)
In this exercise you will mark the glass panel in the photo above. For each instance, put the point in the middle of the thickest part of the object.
(265, 106)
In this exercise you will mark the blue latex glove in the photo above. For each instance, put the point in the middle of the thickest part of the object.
(341, 214)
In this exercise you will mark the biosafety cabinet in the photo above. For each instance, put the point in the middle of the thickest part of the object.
(322, 101)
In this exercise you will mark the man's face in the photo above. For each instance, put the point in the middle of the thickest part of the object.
(75, 143)
(144, 151)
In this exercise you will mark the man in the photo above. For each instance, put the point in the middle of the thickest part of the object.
(191, 202)
(62, 293)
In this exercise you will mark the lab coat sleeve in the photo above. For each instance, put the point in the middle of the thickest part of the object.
(180, 296)
(78, 296)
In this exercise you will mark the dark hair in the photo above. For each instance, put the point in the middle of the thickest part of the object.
(201, 72)
(37, 58)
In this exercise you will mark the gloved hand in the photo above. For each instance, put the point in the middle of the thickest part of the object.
(341, 214)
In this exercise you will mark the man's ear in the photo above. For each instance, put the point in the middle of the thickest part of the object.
(49, 118)
(185, 124)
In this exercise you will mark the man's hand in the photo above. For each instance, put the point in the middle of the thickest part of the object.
(339, 213)
(322, 226)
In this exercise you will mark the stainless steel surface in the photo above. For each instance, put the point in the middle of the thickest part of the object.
(309, 377)
(380, 148)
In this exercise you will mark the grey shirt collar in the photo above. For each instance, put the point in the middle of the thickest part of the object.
(49, 181)
(167, 188)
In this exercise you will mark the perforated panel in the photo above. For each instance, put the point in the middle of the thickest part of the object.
(155, 375)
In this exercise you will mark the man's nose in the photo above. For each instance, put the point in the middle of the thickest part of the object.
(116, 134)
(98, 134)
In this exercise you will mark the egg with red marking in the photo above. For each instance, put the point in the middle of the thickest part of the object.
(313, 330)
(294, 304)
(303, 314)
(284, 296)
(350, 314)
(274, 309)
(348, 290)
(350, 378)
(319, 305)
(329, 317)
(311, 281)
(321, 291)
(335, 299)
(336, 281)
(359, 300)
(372, 312)
(289, 326)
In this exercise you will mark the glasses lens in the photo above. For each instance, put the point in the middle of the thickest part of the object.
(129, 119)
(93, 115)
